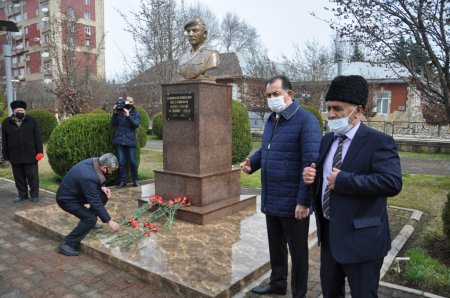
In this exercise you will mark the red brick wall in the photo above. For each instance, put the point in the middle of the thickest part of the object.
(30, 8)
(399, 94)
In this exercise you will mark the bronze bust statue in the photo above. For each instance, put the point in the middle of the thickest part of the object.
(193, 64)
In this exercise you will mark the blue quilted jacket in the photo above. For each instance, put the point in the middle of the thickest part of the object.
(125, 133)
(290, 143)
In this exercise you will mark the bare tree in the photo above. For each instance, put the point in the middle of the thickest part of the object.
(381, 25)
(258, 68)
(313, 62)
(73, 69)
(236, 35)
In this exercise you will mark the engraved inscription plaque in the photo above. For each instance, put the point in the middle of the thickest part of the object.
(180, 106)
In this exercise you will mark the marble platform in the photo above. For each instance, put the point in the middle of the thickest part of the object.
(214, 260)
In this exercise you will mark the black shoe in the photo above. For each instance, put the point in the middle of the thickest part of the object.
(67, 250)
(135, 183)
(35, 199)
(19, 199)
(97, 226)
(121, 185)
(268, 289)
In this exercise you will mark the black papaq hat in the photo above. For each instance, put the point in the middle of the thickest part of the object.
(18, 104)
(352, 89)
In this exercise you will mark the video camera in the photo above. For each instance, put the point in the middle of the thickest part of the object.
(121, 104)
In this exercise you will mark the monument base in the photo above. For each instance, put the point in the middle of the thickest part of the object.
(212, 195)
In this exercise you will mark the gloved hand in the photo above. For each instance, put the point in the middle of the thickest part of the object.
(39, 156)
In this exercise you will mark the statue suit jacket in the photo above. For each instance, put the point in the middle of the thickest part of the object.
(370, 172)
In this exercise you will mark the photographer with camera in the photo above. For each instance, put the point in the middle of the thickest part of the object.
(126, 119)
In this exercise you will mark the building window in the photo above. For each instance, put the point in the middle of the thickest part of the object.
(88, 42)
(87, 30)
(72, 27)
(46, 38)
(70, 11)
(87, 15)
(71, 41)
(26, 30)
(382, 99)
(87, 2)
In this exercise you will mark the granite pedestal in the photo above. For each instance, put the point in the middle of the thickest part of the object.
(197, 149)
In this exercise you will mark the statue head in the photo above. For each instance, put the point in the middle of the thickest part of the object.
(197, 32)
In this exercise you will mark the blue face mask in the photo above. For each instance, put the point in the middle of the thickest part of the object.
(340, 126)
(276, 104)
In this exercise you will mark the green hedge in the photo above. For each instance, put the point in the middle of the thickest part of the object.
(98, 111)
(158, 126)
(242, 135)
(80, 137)
(315, 113)
(46, 122)
(145, 118)
(446, 218)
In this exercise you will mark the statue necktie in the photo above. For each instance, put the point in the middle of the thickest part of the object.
(337, 161)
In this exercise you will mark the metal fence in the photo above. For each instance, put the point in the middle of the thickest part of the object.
(418, 130)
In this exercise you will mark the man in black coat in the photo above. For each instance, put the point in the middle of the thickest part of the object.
(22, 147)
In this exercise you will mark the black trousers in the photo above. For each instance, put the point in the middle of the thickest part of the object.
(284, 232)
(88, 219)
(363, 278)
(26, 175)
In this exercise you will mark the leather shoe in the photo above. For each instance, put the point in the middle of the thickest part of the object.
(67, 250)
(19, 199)
(268, 289)
(97, 226)
(135, 183)
(35, 199)
(121, 185)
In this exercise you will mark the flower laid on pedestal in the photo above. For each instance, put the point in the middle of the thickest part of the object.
(140, 224)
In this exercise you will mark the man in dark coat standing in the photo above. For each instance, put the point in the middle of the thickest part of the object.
(357, 169)
(125, 120)
(22, 147)
(85, 184)
(290, 142)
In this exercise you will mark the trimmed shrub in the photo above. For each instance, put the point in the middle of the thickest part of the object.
(97, 111)
(46, 122)
(145, 118)
(80, 137)
(241, 131)
(315, 113)
(144, 123)
(157, 126)
(141, 137)
(446, 218)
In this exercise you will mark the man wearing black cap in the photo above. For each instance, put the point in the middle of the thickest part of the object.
(22, 147)
(357, 169)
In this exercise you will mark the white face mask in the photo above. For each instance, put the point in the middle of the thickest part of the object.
(340, 126)
(276, 104)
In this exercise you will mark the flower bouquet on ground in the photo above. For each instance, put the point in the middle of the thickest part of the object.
(140, 223)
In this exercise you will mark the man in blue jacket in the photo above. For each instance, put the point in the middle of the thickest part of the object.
(126, 119)
(85, 184)
(290, 142)
(358, 168)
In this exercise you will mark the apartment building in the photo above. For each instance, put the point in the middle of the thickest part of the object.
(48, 30)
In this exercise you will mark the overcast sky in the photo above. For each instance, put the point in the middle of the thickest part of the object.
(279, 23)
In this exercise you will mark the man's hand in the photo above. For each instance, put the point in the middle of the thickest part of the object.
(331, 180)
(301, 212)
(309, 174)
(126, 112)
(107, 192)
(246, 166)
(114, 225)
